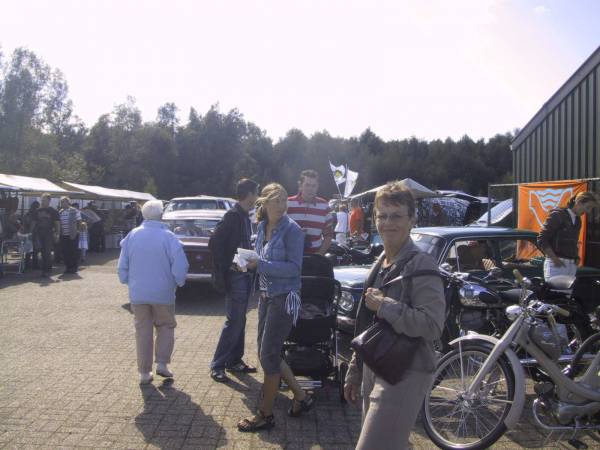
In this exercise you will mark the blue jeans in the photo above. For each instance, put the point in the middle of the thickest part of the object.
(230, 348)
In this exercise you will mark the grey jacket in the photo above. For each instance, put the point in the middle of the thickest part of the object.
(420, 312)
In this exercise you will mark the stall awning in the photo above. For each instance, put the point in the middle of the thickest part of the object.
(30, 184)
(417, 189)
(102, 192)
(498, 213)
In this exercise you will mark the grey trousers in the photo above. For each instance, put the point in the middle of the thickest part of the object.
(147, 317)
(390, 411)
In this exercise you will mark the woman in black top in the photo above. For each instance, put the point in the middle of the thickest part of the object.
(559, 235)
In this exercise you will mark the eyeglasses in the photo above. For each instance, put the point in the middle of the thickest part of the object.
(390, 217)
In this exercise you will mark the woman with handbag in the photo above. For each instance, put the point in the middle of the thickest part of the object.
(404, 297)
(280, 246)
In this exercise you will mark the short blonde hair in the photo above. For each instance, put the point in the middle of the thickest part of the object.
(269, 192)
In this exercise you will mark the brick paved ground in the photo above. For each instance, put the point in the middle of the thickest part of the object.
(68, 377)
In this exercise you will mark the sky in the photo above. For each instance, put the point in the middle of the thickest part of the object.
(424, 68)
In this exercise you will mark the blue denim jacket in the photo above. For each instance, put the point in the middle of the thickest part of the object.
(282, 264)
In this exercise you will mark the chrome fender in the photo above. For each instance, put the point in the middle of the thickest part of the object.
(514, 414)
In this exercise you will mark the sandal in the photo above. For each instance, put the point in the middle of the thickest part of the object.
(305, 406)
(256, 423)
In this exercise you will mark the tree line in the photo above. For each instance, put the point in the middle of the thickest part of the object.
(40, 135)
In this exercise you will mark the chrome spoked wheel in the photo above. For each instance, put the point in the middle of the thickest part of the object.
(453, 419)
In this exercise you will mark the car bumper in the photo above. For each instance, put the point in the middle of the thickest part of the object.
(199, 277)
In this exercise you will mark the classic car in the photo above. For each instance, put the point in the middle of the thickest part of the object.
(199, 202)
(471, 250)
(193, 227)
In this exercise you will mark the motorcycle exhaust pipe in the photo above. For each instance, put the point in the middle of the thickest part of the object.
(561, 359)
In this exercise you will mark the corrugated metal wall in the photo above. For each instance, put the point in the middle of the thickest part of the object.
(566, 145)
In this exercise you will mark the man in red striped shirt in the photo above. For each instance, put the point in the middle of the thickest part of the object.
(312, 213)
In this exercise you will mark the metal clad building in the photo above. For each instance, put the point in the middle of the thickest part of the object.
(562, 141)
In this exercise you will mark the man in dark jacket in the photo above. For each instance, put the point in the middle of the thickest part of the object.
(232, 232)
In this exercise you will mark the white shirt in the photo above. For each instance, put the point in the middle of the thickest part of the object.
(342, 222)
(572, 214)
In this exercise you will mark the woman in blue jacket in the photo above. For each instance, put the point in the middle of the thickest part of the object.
(280, 245)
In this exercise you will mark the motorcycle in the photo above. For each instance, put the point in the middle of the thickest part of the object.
(344, 255)
(479, 386)
(477, 304)
(578, 295)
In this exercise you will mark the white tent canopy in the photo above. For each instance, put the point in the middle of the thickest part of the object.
(30, 184)
(417, 189)
(103, 192)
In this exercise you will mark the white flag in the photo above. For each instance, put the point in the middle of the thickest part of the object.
(339, 173)
(351, 178)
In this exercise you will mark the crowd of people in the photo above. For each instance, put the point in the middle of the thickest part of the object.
(403, 289)
(152, 263)
(49, 236)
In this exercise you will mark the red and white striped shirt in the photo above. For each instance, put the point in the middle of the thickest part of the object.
(314, 218)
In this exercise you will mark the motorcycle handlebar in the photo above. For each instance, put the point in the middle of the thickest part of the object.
(561, 312)
(518, 276)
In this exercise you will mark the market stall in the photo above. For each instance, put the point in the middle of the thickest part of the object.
(113, 206)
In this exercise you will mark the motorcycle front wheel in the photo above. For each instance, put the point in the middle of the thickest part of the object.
(451, 418)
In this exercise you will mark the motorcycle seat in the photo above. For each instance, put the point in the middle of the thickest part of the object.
(561, 282)
(510, 295)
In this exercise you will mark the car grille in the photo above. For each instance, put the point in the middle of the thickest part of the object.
(200, 261)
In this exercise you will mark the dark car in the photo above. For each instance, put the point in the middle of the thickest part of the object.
(472, 250)
(193, 227)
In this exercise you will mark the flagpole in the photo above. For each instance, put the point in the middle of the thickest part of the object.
(338, 188)
(336, 185)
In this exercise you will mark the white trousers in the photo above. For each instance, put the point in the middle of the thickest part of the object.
(551, 270)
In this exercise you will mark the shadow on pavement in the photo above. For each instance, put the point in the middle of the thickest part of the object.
(170, 418)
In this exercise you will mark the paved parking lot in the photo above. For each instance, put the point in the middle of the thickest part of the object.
(68, 377)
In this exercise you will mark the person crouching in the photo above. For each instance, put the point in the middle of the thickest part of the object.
(152, 263)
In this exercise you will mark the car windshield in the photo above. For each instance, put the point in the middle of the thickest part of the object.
(429, 244)
(503, 252)
(180, 205)
(193, 228)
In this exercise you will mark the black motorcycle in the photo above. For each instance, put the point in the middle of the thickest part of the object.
(579, 295)
(344, 255)
(478, 304)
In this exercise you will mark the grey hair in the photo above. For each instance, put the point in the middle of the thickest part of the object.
(152, 210)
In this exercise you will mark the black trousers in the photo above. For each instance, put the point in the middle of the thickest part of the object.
(70, 252)
(46, 243)
(97, 237)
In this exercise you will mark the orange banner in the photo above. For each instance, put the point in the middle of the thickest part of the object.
(536, 200)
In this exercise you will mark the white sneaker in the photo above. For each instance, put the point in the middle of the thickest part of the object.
(146, 378)
(163, 370)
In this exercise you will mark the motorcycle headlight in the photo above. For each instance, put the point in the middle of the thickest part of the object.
(346, 302)
(513, 311)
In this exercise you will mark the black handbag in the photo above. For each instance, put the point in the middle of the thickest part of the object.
(387, 353)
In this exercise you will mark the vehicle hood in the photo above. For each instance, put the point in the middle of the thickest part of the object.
(189, 214)
(351, 276)
(193, 241)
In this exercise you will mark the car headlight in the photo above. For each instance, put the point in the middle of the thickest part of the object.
(346, 302)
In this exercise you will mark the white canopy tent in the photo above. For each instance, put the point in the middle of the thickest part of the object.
(102, 192)
(417, 190)
(20, 183)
